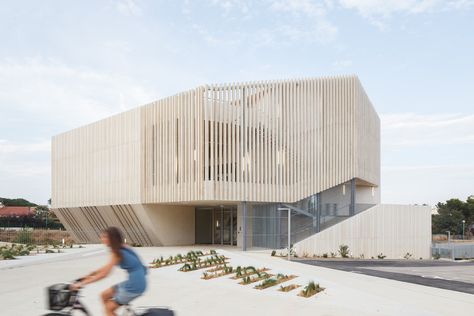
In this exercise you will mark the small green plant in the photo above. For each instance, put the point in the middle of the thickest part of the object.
(407, 255)
(436, 256)
(325, 255)
(381, 256)
(213, 252)
(333, 255)
(288, 288)
(247, 280)
(267, 283)
(250, 269)
(344, 251)
(310, 289)
(238, 271)
(185, 268)
(274, 253)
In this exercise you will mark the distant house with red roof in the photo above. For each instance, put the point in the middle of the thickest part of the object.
(16, 211)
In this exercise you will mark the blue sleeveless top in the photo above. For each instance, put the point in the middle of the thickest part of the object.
(130, 262)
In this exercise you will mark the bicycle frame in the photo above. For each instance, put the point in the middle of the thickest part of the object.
(77, 305)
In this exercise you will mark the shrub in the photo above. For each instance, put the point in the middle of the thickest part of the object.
(325, 255)
(407, 255)
(24, 237)
(344, 251)
(381, 256)
(7, 254)
(436, 256)
(274, 253)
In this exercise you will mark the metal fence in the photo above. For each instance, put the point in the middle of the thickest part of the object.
(35, 236)
(461, 250)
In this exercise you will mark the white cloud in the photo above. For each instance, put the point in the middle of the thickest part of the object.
(7, 147)
(377, 11)
(281, 22)
(310, 21)
(37, 89)
(243, 7)
(425, 158)
(128, 7)
(300, 7)
(410, 129)
(426, 183)
(342, 64)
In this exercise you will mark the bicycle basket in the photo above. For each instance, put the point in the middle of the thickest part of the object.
(59, 296)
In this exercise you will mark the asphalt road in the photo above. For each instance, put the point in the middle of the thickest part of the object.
(448, 275)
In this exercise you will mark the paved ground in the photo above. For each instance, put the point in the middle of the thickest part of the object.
(449, 275)
(23, 283)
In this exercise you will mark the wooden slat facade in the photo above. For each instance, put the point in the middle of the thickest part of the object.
(270, 141)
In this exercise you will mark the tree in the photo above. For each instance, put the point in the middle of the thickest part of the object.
(451, 214)
(16, 202)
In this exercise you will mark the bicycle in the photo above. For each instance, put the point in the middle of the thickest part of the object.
(63, 301)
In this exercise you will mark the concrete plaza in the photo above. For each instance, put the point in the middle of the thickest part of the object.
(24, 282)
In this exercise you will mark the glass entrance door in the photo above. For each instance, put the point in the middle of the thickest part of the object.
(223, 224)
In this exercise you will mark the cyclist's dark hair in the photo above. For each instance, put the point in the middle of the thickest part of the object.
(115, 239)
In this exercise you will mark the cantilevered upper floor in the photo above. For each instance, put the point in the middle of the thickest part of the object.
(270, 141)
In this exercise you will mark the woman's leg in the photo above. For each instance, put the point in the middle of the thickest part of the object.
(109, 304)
(110, 308)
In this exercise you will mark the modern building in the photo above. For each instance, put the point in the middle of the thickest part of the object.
(222, 164)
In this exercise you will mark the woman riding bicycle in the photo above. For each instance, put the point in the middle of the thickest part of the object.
(122, 293)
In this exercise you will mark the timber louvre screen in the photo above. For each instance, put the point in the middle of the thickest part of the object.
(297, 138)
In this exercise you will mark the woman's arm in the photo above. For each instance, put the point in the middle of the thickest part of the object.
(98, 274)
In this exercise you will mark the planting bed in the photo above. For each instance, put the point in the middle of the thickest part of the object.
(280, 278)
(288, 288)
(249, 280)
(310, 290)
(247, 271)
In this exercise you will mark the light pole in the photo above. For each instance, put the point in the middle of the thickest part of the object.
(463, 223)
(289, 229)
(449, 244)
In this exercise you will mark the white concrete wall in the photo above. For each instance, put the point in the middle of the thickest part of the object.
(364, 195)
(172, 225)
(145, 224)
(392, 230)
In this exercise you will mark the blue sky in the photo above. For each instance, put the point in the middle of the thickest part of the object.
(64, 64)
